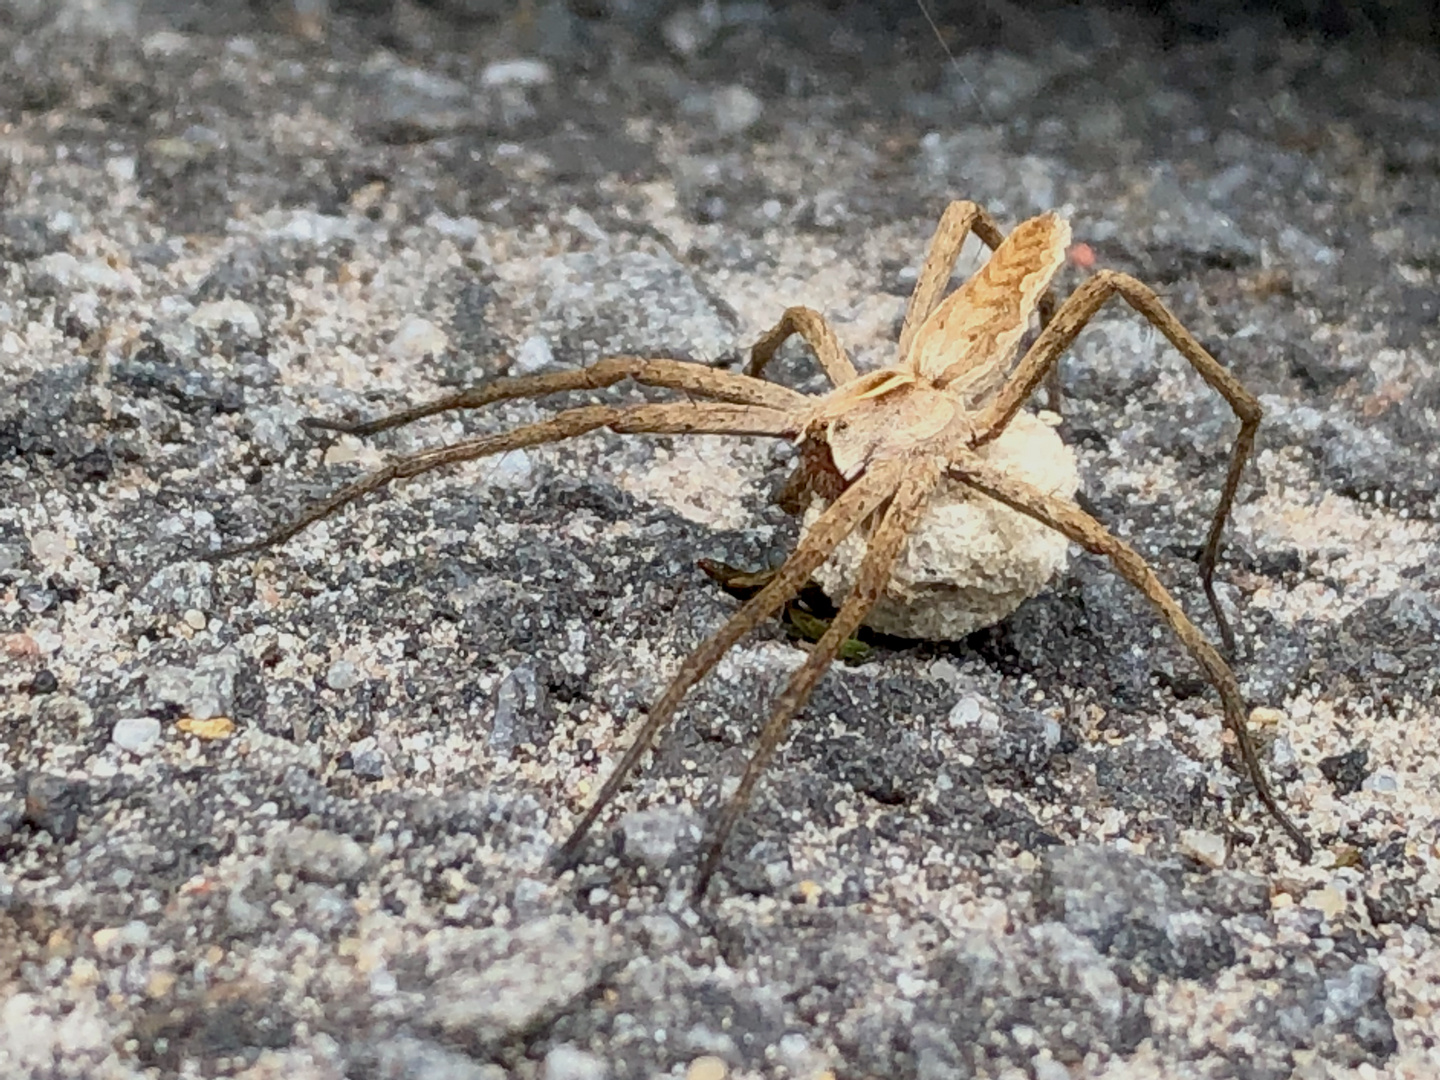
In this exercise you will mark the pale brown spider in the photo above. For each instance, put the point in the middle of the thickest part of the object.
(874, 449)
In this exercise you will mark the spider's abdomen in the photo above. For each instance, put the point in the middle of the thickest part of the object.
(971, 561)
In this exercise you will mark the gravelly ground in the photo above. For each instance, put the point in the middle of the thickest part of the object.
(972, 860)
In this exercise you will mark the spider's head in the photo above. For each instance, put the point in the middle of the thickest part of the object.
(885, 414)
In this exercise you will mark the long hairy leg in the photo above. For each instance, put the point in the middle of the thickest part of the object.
(668, 418)
(1084, 530)
(1072, 317)
(899, 520)
(811, 326)
(841, 518)
(683, 375)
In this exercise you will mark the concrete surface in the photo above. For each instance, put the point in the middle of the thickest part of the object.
(288, 816)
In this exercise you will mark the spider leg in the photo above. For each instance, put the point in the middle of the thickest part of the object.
(1054, 392)
(811, 326)
(667, 418)
(693, 378)
(905, 510)
(1090, 534)
(842, 517)
(1072, 317)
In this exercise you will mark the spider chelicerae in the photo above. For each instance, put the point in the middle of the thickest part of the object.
(875, 451)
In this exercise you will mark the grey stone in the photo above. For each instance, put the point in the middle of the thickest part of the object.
(567, 1062)
(136, 734)
(653, 837)
(203, 691)
(319, 855)
(735, 109)
(342, 675)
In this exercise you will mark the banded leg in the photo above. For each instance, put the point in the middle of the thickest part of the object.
(1084, 530)
(886, 542)
(697, 379)
(1072, 317)
(669, 418)
(841, 518)
(811, 326)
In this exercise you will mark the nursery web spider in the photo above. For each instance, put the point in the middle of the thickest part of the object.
(874, 450)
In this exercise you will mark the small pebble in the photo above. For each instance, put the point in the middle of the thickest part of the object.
(533, 355)
(76, 273)
(1046, 1067)
(463, 230)
(965, 712)
(159, 984)
(320, 855)
(342, 675)
(566, 1062)
(516, 73)
(217, 727)
(1379, 780)
(218, 313)
(1206, 848)
(735, 109)
(653, 836)
(416, 338)
(689, 30)
(510, 471)
(306, 19)
(1326, 900)
(369, 765)
(49, 548)
(708, 1067)
(137, 734)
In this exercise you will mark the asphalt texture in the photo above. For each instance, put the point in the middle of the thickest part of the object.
(289, 815)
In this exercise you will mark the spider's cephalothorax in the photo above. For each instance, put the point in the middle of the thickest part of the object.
(883, 458)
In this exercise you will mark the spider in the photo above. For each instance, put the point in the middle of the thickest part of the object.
(873, 452)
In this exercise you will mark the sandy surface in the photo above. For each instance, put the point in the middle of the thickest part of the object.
(288, 816)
